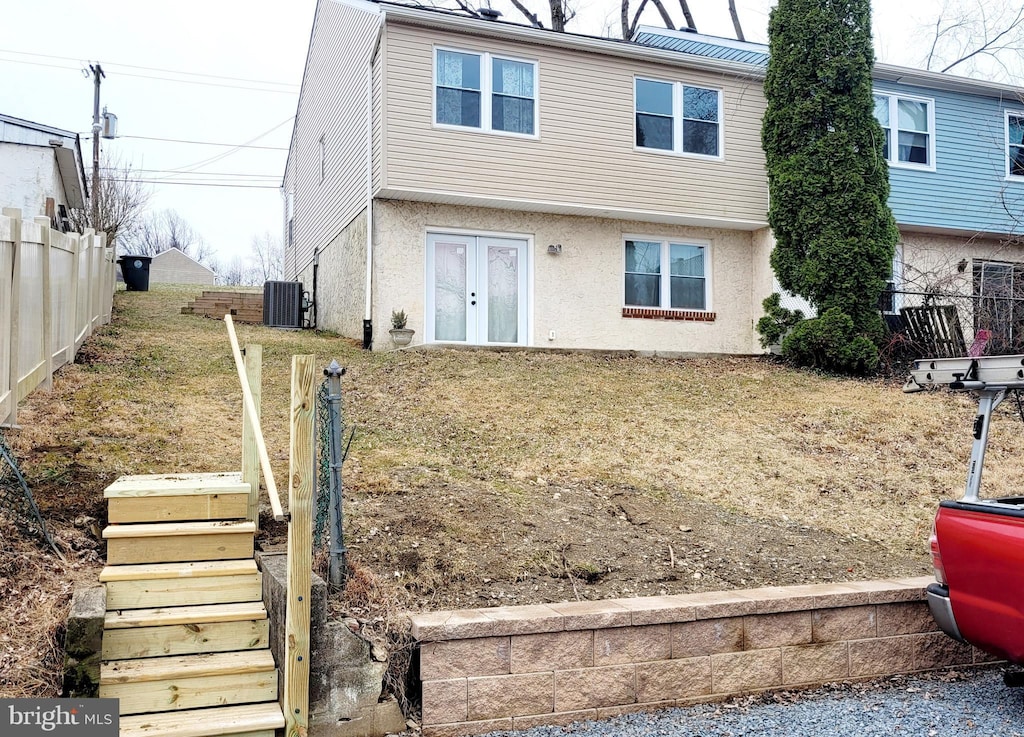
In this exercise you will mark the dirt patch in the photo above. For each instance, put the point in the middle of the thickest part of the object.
(489, 478)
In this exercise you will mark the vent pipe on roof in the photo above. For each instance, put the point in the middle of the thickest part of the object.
(489, 13)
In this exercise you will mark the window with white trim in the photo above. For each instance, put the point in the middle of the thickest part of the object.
(495, 94)
(1014, 144)
(677, 117)
(666, 274)
(909, 124)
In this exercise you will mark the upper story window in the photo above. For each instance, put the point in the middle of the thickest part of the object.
(1014, 144)
(666, 274)
(486, 92)
(671, 116)
(909, 124)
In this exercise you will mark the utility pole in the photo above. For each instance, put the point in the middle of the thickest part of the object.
(97, 73)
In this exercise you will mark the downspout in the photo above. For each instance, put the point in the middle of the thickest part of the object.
(368, 312)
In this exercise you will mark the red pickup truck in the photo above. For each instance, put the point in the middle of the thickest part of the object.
(977, 544)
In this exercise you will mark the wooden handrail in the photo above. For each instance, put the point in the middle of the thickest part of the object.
(254, 418)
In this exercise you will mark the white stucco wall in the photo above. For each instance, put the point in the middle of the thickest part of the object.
(341, 282)
(578, 294)
(28, 175)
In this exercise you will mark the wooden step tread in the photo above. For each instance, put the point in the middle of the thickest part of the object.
(178, 667)
(195, 569)
(161, 616)
(177, 484)
(176, 529)
(223, 720)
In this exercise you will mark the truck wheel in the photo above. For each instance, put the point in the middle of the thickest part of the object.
(1014, 678)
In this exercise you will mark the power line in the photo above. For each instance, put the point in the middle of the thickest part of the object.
(197, 173)
(207, 184)
(163, 79)
(202, 143)
(153, 69)
(205, 162)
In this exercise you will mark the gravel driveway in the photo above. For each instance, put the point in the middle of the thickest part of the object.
(970, 703)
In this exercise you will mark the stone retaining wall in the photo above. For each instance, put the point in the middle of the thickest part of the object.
(520, 667)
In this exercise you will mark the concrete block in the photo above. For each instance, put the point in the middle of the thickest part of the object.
(707, 637)
(83, 642)
(746, 671)
(445, 702)
(658, 610)
(882, 656)
(904, 618)
(673, 679)
(590, 615)
(776, 630)
(380, 719)
(847, 623)
(559, 719)
(551, 651)
(591, 688)
(938, 650)
(464, 729)
(815, 663)
(495, 697)
(632, 644)
(481, 656)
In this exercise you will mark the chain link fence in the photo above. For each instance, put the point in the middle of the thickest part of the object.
(16, 499)
(328, 538)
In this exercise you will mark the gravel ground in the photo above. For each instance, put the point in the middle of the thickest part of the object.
(972, 703)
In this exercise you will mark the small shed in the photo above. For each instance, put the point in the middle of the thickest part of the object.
(175, 267)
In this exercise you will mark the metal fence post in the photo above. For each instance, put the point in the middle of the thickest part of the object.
(338, 567)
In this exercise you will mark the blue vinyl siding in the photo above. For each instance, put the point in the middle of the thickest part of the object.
(968, 189)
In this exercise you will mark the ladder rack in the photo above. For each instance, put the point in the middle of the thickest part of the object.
(967, 373)
(992, 378)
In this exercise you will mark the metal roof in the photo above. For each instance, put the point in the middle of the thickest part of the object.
(698, 45)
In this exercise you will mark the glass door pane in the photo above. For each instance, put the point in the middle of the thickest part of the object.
(502, 294)
(450, 282)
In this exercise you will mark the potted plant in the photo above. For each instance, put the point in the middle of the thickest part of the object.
(399, 332)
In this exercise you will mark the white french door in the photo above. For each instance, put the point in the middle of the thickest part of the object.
(476, 289)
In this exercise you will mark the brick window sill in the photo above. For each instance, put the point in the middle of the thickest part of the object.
(650, 313)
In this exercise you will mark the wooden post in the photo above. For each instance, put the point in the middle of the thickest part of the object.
(301, 478)
(44, 236)
(15, 215)
(250, 453)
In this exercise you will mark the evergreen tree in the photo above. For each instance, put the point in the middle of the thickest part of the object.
(828, 180)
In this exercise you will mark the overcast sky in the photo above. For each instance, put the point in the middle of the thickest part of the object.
(228, 72)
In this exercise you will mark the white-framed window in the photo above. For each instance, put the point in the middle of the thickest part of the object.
(1015, 143)
(487, 92)
(678, 117)
(667, 274)
(909, 124)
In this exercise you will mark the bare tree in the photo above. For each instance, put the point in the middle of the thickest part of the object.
(164, 230)
(267, 257)
(970, 34)
(122, 202)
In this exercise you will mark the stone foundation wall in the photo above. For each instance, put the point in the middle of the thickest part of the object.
(520, 667)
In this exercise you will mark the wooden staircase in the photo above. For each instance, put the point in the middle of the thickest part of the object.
(186, 635)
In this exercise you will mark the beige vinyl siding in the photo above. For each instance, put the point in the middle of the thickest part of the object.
(379, 65)
(585, 154)
(333, 105)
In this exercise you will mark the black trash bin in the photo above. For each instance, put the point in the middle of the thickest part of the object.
(135, 270)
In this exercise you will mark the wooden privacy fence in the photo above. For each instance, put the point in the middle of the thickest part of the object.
(55, 289)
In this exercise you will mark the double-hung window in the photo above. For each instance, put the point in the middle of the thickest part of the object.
(677, 117)
(666, 274)
(486, 92)
(1014, 144)
(909, 124)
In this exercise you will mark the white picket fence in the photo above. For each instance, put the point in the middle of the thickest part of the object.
(55, 289)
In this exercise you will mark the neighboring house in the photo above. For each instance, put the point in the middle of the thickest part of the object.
(176, 267)
(526, 187)
(41, 170)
